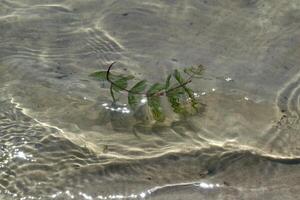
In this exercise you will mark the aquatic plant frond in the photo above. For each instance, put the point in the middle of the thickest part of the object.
(178, 93)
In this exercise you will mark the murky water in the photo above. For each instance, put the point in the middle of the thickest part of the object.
(58, 141)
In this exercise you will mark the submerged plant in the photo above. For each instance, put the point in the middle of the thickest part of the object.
(175, 88)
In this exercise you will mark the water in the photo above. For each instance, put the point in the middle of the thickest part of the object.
(59, 142)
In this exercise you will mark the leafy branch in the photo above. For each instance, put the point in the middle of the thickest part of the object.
(179, 95)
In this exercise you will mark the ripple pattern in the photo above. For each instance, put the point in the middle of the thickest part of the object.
(283, 137)
(58, 141)
(53, 32)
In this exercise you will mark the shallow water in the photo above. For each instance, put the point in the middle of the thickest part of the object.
(58, 141)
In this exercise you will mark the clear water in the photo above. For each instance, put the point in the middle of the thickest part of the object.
(57, 140)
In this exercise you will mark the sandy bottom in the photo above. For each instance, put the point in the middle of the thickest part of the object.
(58, 141)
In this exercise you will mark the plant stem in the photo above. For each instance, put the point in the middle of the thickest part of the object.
(189, 80)
(112, 94)
(116, 85)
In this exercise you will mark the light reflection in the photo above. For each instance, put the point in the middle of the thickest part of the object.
(28, 197)
(205, 185)
(114, 197)
(56, 195)
(142, 195)
(133, 196)
(144, 100)
(121, 109)
(69, 194)
(12, 100)
(196, 95)
(21, 155)
(228, 79)
(85, 196)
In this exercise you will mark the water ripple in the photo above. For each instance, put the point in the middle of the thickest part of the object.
(283, 136)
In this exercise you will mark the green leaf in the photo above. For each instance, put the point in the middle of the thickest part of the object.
(181, 103)
(120, 81)
(178, 76)
(133, 96)
(114, 78)
(180, 80)
(120, 84)
(100, 75)
(195, 70)
(139, 87)
(174, 98)
(189, 92)
(168, 81)
(155, 88)
(155, 108)
(133, 100)
(129, 77)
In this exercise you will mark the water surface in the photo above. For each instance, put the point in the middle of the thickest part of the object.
(58, 141)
